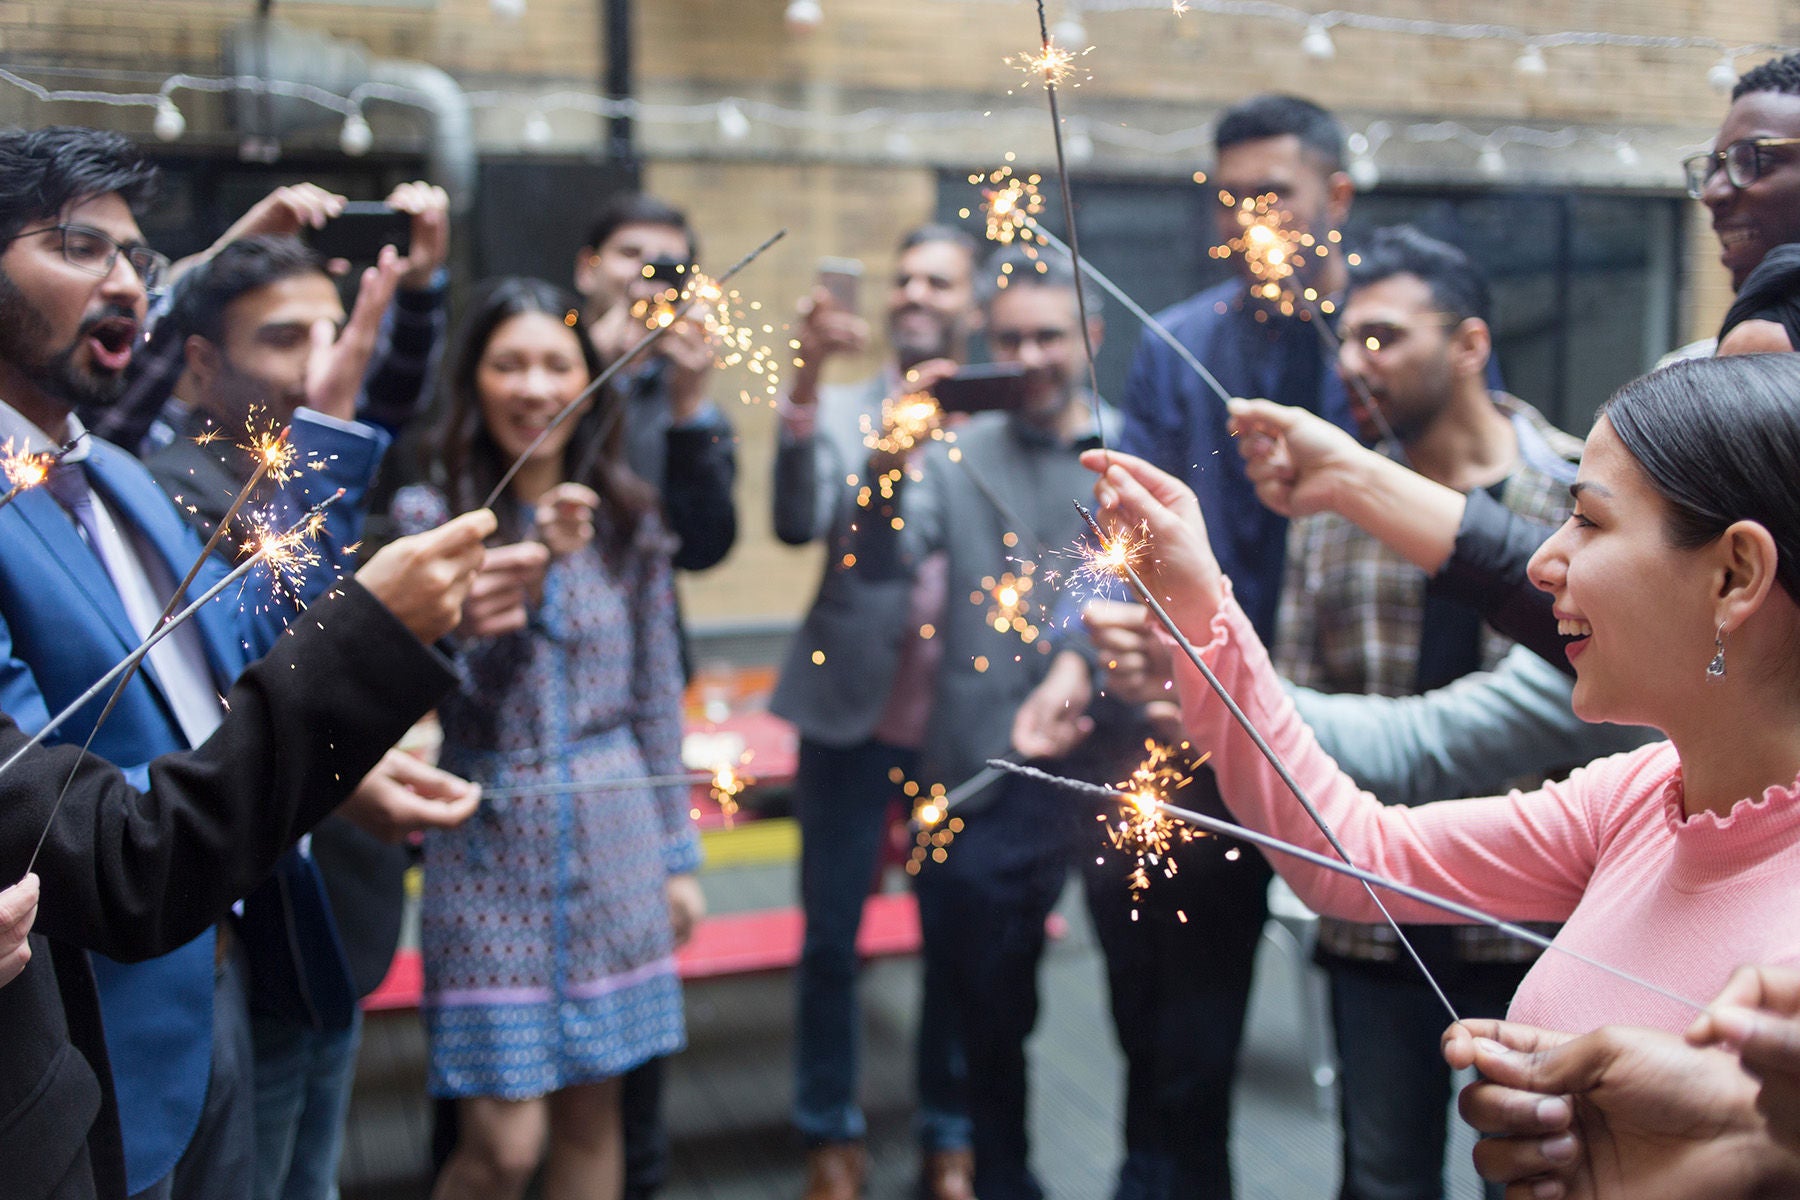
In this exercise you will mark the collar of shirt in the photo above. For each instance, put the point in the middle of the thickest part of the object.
(1100, 429)
(29, 438)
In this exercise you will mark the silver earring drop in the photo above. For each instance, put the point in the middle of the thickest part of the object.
(1716, 668)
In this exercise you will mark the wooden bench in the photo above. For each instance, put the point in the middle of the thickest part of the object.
(729, 944)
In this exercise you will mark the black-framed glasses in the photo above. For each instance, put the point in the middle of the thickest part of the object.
(1742, 160)
(88, 249)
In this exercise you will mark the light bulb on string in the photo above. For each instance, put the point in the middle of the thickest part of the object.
(1362, 169)
(537, 132)
(356, 138)
(1723, 76)
(1317, 44)
(169, 124)
(507, 10)
(734, 126)
(1490, 162)
(1070, 31)
(1079, 145)
(804, 16)
(1531, 61)
(1627, 153)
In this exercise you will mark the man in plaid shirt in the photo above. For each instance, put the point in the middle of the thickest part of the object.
(1356, 617)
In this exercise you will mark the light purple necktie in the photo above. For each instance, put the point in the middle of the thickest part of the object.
(68, 482)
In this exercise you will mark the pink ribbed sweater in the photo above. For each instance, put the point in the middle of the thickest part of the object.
(1678, 900)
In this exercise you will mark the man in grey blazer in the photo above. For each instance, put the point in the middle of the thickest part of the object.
(857, 683)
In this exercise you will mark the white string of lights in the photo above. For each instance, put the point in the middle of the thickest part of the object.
(736, 118)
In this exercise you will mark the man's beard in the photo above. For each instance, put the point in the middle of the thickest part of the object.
(23, 332)
(913, 349)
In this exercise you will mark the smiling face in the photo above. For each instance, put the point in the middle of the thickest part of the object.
(932, 303)
(1753, 220)
(1637, 611)
(530, 370)
(66, 336)
(1038, 328)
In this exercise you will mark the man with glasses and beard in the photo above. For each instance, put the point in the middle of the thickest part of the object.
(87, 563)
(857, 682)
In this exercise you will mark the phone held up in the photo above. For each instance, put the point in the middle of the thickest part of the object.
(359, 232)
(983, 387)
(841, 277)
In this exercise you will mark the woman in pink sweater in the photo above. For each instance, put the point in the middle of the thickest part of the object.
(1675, 583)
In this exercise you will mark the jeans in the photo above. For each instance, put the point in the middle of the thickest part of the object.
(841, 799)
(1394, 1085)
(983, 910)
(1179, 991)
(302, 1095)
(217, 1163)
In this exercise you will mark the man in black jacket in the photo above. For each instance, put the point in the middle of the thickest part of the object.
(131, 874)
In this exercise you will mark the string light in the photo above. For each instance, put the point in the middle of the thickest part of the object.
(1070, 31)
(1316, 43)
(1490, 162)
(1723, 76)
(1531, 61)
(804, 16)
(169, 124)
(537, 130)
(355, 138)
(734, 126)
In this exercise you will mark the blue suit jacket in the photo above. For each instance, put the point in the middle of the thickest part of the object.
(62, 626)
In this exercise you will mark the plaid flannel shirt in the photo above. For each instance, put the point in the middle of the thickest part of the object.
(1350, 621)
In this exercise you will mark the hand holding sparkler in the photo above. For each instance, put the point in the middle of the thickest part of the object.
(1053, 719)
(402, 796)
(1303, 464)
(1177, 565)
(1614, 1113)
(18, 909)
(424, 579)
(565, 518)
(687, 906)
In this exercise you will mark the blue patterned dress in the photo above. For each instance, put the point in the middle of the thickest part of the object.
(549, 958)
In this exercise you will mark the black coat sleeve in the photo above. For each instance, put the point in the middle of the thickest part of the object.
(697, 492)
(132, 874)
(1486, 572)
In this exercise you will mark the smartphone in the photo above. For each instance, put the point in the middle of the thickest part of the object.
(982, 388)
(671, 271)
(841, 277)
(359, 232)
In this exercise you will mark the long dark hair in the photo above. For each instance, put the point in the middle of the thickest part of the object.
(462, 457)
(1719, 440)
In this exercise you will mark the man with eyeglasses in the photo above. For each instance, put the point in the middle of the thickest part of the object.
(1751, 180)
(87, 562)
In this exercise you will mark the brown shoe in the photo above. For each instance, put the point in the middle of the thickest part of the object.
(836, 1171)
(948, 1175)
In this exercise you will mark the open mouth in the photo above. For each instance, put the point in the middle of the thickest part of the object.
(112, 340)
(1574, 633)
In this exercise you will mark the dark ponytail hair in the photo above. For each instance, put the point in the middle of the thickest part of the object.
(1719, 439)
(463, 459)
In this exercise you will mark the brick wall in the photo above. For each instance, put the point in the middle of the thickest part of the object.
(850, 193)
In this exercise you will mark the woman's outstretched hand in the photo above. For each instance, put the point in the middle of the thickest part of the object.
(1177, 565)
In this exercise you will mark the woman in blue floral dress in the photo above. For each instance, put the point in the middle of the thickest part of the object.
(550, 919)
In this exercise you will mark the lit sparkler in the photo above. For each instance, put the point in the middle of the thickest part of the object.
(1276, 251)
(26, 469)
(906, 422)
(1179, 7)
(1052, 65)
(1011, 203)
(732, 324)
(1143, 829)
(1126, 570)
(1009, 604)
(601, 380)
(727, 784)
(934, 827)
(1369, 879)
(123, 670)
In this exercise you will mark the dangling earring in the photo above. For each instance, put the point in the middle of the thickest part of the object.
(1715, 670)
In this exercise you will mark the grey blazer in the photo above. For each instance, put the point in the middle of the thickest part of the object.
(856, 624)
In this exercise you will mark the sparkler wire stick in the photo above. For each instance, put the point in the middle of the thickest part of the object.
(1366, 878)
(47, 461)
(642, 344)
(1333, 344)
(1137, 310)
(263, 463)
(1068, 202)
(1268, 751)
(130, 661)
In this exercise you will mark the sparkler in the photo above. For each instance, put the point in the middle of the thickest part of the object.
(26, 469)
(284, 542)
(637, 348)
(1053, 63)
(274, 456)
(1143, 829)
(934, 827)
(1369, 879)
(1012, 209)
(730, 323)
(1010, 608)
(1128, 572)
(727, 783)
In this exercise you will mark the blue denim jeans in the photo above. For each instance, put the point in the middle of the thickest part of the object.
(1394, 1085)
(841, 799)
(302, 1094)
